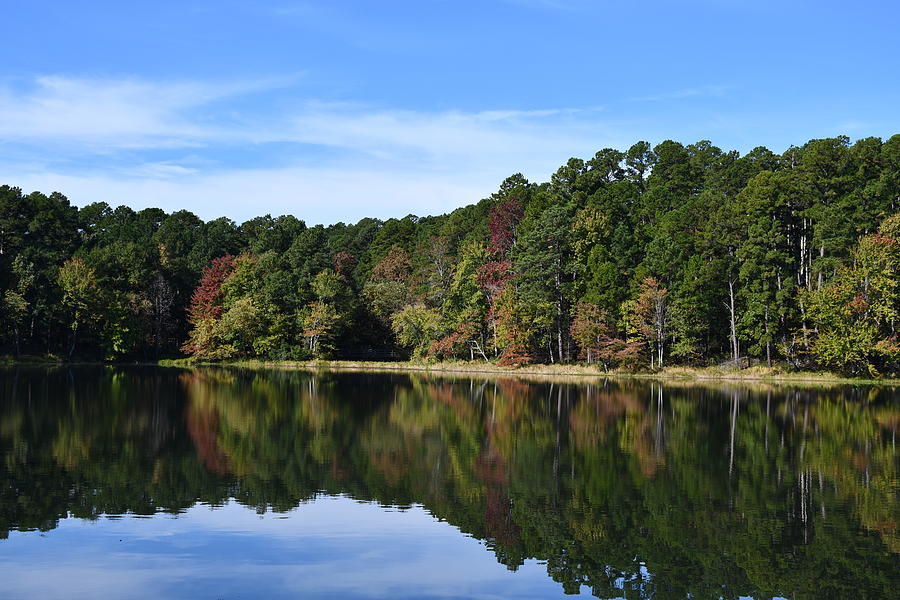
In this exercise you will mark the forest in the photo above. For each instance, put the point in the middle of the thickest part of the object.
(654, 256)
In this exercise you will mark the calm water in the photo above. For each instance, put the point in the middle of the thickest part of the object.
(152, 482)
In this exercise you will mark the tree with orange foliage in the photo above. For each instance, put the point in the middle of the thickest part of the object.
(647, 318)
(589, 329)
(592, 333)
(513, 330)
(388, 288)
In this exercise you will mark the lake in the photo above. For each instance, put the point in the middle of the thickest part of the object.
(151, 482)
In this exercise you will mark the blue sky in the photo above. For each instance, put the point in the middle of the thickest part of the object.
(333, 111)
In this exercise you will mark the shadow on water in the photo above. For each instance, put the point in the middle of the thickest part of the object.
(634, 489)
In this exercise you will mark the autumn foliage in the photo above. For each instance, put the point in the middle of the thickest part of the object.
(206, 305)
(502, 223)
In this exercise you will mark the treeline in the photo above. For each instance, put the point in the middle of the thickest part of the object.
(648, 257)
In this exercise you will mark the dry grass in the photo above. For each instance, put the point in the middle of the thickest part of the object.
(554, 372)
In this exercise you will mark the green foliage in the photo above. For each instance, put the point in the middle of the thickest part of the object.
(81, 295)
(320, 322)
(760, 256)
(416, 327)
(766, 260)
(328, 286)
(239, 328)
(854, 314)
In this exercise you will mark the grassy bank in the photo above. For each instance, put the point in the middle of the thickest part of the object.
(752, 374)
(9, 360)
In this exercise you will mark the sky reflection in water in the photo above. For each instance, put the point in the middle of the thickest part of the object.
(333, 547)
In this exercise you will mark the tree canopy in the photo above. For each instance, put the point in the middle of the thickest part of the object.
(656, 255)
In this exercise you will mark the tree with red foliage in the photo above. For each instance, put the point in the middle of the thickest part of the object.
(502, 222)
(494, 276)
(591, 331)
(343, 262)
(464, 339)
(206, 306)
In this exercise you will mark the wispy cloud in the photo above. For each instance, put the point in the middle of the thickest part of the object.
(317, 195)
(566, 6)
(134, 114)
(198, 145)
(467, 136)
(118, 113)
(693, 92)
(160, 170)
(121, 113)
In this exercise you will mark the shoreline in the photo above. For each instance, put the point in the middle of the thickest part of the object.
(569, 371)
(773, 375)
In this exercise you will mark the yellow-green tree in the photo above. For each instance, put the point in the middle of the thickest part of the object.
(416, 327)
(81, 295)
(854, 315)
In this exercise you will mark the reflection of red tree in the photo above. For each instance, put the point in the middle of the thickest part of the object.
(203, 426)
(514, 390)
(491, 469)
(446, 393)
(456, 396)
(890, 421)
(338, 471)
(597, 411)
(392, 464)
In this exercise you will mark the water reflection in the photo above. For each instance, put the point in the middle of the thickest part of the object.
(633, 490)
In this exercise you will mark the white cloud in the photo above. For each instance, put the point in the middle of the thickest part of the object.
(137, 114)
(123, 142)
(119, 113)
(473, 137)
(314, 195)
(160, 170)
(708, 90)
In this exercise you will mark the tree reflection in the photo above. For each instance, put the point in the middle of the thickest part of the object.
(634, 490)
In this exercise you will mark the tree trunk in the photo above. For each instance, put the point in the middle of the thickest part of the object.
(74, 335)
(735, 349)
(478, 347)
(550, 347)
(660, 350)
(821, 255)
(559, 311)
(559, 337)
